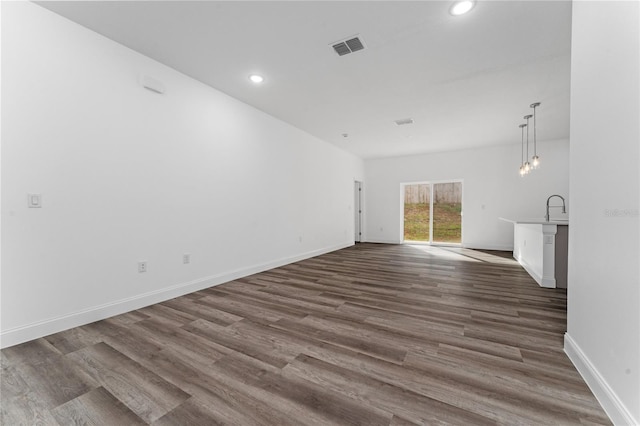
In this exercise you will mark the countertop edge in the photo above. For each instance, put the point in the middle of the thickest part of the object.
(535, 221)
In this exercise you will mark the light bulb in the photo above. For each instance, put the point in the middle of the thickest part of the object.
(527, 167)
(521, 170)
(536, 161)
(256, 78)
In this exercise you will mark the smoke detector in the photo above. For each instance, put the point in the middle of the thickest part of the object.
(349, 45)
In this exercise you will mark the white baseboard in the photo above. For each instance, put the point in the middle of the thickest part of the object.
(610, 402)
(43, 328)
(542, 281)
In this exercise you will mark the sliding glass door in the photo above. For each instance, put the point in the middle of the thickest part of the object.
(447, 213)
(433, 212)
(417, 212)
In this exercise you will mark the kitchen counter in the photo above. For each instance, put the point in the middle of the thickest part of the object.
(537, 221)
(541, 248)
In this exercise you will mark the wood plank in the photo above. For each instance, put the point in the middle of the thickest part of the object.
(21, 405)
(71, 340)
(98, 408)
(142, 391)
(195, 412)
(540, 395)
(308, 401)
(262, 351)
(54, 380)
(405, 403)
(231, 400)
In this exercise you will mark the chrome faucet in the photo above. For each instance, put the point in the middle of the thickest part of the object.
(564, 210)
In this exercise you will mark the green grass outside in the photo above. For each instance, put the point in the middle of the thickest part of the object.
(447, 226)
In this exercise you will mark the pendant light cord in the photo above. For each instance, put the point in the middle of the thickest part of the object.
(522, 146)
(535, 133)
(527, 117)
(535, 148)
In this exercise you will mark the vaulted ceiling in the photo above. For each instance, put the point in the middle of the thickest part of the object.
(466, 81)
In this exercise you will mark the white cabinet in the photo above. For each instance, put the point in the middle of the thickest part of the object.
(542, 249)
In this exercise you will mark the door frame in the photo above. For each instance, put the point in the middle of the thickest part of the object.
(357, 211)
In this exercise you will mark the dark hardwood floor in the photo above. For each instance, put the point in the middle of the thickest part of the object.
(369, 335)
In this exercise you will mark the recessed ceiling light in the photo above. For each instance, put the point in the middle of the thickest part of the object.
(256, 78)
(462, 7)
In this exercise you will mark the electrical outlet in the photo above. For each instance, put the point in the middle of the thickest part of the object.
(34, 201)
(142, 266)
(186, 258)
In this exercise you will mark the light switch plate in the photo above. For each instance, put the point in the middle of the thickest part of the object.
(34, 201)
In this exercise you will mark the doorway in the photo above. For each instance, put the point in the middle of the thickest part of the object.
(432, 212)
(357, 208)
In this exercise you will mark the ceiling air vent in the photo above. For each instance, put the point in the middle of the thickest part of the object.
(350, 45)
(404, 121)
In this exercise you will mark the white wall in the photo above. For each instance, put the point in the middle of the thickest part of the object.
(603, 337)
(128, 175)
(492, 188)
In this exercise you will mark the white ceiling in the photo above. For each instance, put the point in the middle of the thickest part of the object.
(466, 81)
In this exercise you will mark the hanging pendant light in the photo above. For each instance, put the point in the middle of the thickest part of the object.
(535, 160)
(522, 172)
(527, 165)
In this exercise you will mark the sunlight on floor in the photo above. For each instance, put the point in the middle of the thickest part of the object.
(463, 254)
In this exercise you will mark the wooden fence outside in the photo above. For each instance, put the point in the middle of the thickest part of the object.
(450, 193)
